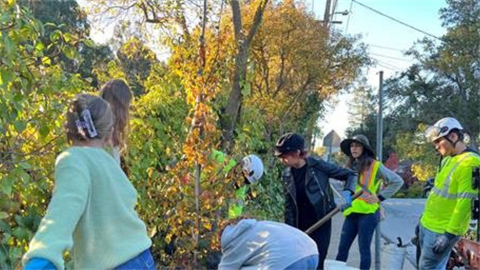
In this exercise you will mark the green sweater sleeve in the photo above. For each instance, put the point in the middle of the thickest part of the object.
(70, 194)
(462, 212)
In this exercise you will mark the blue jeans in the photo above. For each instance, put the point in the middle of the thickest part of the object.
(307, 263)
(430, 260)
(143, 261)
(362, 225)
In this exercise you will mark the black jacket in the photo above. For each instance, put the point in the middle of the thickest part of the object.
(317, 186)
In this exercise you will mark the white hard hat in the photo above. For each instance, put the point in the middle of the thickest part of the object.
(442, 127)
(252, 168)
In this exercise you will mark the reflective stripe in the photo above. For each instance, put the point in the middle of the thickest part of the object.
(444, 191)
(369, 177)
(446, 195)
(360, 205)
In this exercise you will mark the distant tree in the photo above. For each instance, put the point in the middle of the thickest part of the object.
(136, 61)
(296, 65)
(363, 104)
(446, 80)
(67, 18)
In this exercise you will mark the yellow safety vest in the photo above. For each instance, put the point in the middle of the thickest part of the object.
(448, 207)
(368, 182)
(223, 166)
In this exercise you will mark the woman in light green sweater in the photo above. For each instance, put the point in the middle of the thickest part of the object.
(92, 210)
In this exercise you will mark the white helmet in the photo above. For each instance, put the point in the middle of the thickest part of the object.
(252, 168)
(442, 127)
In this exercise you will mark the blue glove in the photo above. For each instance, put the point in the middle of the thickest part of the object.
(39, 264)
(347, 198)
(442, 242)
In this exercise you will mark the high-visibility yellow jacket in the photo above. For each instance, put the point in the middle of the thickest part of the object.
(224, 166)
(369, 183)
(448, 207)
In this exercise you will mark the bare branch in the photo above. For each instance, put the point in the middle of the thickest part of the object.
(256, 20)
(237, 19)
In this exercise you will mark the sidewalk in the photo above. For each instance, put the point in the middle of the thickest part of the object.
(354, 255)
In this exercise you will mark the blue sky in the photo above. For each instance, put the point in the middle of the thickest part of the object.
(379, 31)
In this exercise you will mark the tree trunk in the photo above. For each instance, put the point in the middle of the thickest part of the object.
(232, 109)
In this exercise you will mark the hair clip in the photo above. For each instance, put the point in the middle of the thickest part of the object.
(80, 127)
(88, 123)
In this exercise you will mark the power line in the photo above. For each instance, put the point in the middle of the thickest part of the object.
(387, 67)
(385, 47)
(391, 18)
(386, 64)
(391, 57)
(349, 15)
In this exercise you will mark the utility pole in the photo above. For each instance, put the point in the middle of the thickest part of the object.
(378, 231)
(326, 15)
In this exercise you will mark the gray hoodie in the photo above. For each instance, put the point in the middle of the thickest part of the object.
(252, 244)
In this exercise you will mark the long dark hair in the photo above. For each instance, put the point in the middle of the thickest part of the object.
(362, 163)
(119, 96)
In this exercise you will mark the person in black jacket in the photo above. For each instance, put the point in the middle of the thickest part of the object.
(309, 196)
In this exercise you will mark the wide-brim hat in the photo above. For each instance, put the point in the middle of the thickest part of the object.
(361, 139)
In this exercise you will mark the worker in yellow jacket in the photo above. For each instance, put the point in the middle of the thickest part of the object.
(251, 171)
(449, 206)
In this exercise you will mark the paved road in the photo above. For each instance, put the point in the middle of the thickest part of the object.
(400, 221)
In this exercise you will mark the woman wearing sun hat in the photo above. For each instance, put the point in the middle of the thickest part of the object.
(363, 216)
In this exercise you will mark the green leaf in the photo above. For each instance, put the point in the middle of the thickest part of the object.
(67, 37)
(3, 215)
(39, 46)
(90, 43)
(246, 89)
(20, 233)
(70, 52)
(46, 60)
(6, 185)
(3, 256)
(29, 47)
(25, 165)
(44, 130)
(55, 35)
(9, 45)
(20, 125)
(4, 227)
(6, 76)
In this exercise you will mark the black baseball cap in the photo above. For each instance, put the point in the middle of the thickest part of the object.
(289, 142)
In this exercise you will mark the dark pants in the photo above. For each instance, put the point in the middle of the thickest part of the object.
(362, 225)
(322, 237)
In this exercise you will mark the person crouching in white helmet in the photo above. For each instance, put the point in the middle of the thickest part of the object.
(449, 206)
(250, 169)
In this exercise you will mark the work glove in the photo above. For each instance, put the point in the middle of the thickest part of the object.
(442, 242)
(39, 264)
(347, 198)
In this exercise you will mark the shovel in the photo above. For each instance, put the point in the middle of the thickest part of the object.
(328, 216)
